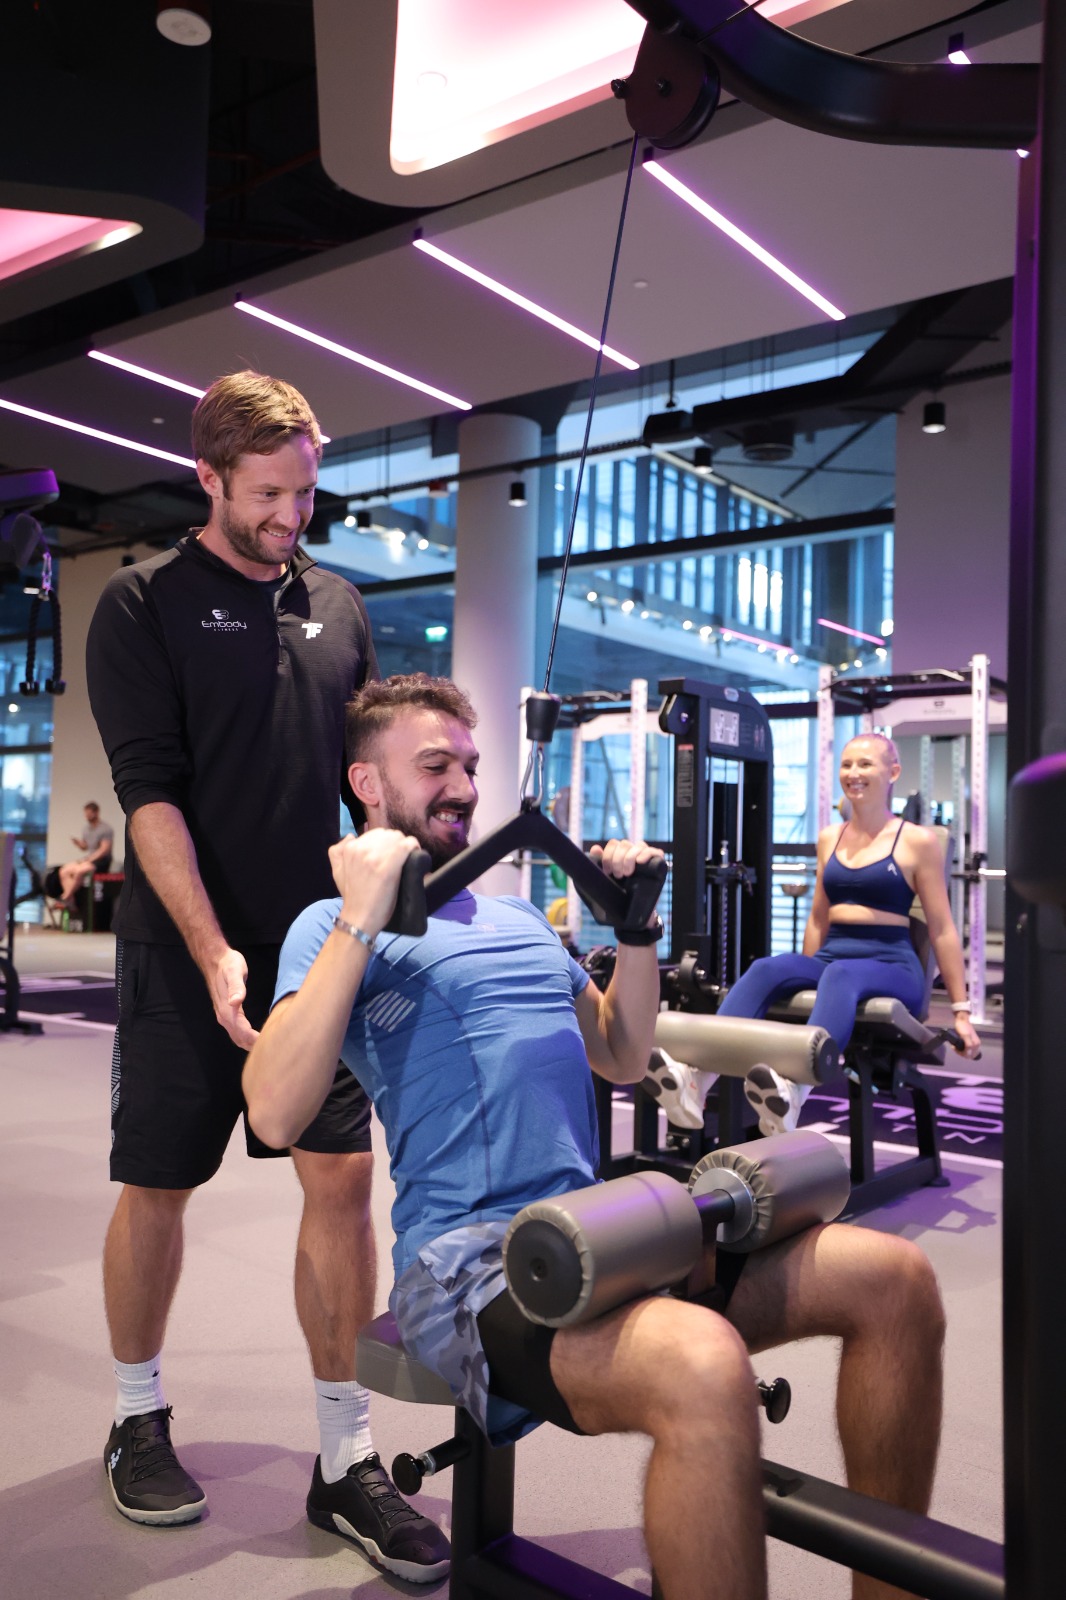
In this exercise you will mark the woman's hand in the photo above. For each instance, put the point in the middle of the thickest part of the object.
(964, 1027)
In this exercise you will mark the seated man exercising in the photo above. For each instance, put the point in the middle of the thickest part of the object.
(475, 1043)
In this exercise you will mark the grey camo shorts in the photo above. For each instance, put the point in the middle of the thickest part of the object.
(436, 1303)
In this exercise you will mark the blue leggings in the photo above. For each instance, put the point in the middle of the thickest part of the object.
(850, 967)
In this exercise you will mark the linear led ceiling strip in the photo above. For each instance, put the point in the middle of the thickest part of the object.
(522, 302)
(838, 627)
(656, 170)
(96, 433)
(146, 372)
(351, 355)
(161, 377)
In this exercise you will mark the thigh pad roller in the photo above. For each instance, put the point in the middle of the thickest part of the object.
(733, 1045)
(577, 1256)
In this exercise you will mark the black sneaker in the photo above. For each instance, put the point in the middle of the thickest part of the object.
(148, 1483)
(366, 1506)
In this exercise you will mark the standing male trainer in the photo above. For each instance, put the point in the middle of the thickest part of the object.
(218, 674)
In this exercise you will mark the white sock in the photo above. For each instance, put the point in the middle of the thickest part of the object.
(343, 1426)
(140, 1387)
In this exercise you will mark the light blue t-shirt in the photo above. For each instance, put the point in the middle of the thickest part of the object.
(467, 1042)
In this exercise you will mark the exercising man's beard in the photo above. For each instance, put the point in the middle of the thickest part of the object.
(400, 816)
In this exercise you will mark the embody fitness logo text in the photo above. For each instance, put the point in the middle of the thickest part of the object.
(220, 623)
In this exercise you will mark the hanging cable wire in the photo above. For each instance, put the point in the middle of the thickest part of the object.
(588, 420)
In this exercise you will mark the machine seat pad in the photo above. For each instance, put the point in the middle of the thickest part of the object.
(733, 1045)
(382, 1364)
(877, 1021)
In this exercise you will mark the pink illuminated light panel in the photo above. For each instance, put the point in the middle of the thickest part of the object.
(470, 73)
(30, 239)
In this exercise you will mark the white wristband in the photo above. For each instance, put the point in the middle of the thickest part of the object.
(960, 1005)
(356, 933)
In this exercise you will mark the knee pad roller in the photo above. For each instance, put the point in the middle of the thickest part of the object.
(576, 1256)
(778, 1187)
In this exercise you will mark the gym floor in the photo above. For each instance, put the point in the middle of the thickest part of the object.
(238, 1380)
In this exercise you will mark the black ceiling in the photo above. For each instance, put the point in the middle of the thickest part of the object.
(269, 202)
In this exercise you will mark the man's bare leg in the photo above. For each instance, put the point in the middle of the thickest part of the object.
(142, 1265)
(879, 1295)
(336, 1258)
(680, 1374)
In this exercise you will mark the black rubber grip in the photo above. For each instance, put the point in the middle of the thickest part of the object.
(409, 916)
(640, 892)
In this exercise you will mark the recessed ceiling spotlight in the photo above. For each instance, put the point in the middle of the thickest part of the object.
(396, 537)
(886, 628)
(640, 283)
(644, 615)
(655, 169)
(423, 544)
(157, 422)
(520, 300)
(349, 521)
(592, 596)
(187, 24)
(432, 82)
(687, 624)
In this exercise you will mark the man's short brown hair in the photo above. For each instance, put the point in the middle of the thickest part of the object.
(247, 413)
(375, 707)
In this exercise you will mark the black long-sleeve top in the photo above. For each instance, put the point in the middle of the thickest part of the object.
(209, 698)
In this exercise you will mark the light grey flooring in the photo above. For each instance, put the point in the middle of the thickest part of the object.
(238, 1379)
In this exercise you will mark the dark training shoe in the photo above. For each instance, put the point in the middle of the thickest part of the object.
(365, 1506)
(148, 1483)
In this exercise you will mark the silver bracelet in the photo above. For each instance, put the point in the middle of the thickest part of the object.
(368, 939)
(960, 1005)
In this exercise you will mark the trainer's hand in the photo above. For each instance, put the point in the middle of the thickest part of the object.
(366, 870)
(228, 991)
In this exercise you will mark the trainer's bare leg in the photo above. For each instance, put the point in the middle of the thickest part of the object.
(142, 1264)
(879, 1295)
(336, 1258)
(682, 1375)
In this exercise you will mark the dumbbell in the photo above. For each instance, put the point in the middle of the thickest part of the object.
(578, 1255)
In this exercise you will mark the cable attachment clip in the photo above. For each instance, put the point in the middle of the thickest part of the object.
(542, 719)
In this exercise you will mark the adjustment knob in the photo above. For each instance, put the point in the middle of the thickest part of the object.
(775, 1399)
(407, 1473)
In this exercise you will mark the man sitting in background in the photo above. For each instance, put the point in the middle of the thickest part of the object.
(97, 842)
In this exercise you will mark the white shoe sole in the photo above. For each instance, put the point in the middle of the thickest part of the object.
(778, 1112)
(160, 1519)
(412, 1571)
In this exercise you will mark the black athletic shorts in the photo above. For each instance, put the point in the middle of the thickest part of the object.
(519, 1351)
(176, 1074)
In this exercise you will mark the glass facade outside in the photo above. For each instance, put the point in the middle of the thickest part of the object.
(26, 723)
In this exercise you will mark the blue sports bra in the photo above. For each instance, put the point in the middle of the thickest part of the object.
(880, 885)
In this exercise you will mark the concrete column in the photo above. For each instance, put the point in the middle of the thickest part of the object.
(493, 633)
(952, 531)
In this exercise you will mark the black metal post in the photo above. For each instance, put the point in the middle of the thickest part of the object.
(1034, 1289)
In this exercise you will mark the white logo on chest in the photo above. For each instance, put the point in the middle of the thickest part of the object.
(312, 629)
